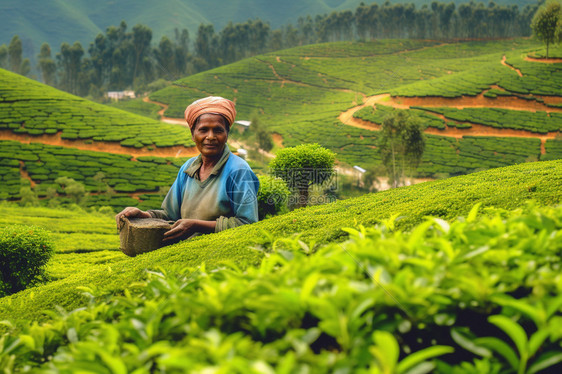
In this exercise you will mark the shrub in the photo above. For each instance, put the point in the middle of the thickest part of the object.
(272, 196)
(24, 250)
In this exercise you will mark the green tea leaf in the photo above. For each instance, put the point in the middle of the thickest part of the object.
(513, 330)
(500, 347)
(423, 355)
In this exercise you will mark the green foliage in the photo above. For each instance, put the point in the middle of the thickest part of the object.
(24, 251)
(547, 23)
(508, 188)
(384, 301)
(28, 107)
(539, 122)
(303, 166)
(107, 175)
(401, 144)
(273, 196)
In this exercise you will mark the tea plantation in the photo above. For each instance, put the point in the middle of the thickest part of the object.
(299, 94)
(29, 107)
(121, 174)
(456, 275)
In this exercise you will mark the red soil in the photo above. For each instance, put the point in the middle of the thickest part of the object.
(511, 67)
(109, 147)
(544, 60)
(463, 102)
(25, 175)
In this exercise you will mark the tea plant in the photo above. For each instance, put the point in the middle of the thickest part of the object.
(385, 300)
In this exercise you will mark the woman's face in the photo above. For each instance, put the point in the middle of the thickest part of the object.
(210, 135)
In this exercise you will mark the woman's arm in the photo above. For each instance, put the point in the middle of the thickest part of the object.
(184, 228)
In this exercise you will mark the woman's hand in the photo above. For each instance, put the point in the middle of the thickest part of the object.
(183, 228)
(131, 212)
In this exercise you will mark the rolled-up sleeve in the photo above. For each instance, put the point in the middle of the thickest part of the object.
(242, 189)
(171, 206)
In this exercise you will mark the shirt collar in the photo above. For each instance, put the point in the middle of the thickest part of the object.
(194, 167)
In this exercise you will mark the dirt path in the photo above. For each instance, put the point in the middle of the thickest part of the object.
(174, 121)
(110, 147)
(450, 131)
(25, 175)
(511, 67)
(544, 60)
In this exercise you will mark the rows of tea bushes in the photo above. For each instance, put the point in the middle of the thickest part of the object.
(29, 107)
(311, 72)
(537, 79)
(149, 110)
(299, 93)
(539, 122)
(553, 149)
(474, 288)
(474, 153)
(507, 187)
(44, 164)
(378, 113)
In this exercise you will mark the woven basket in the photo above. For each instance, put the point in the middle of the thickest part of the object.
(140, 235)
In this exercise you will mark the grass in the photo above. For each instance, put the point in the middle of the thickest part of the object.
(507, 188)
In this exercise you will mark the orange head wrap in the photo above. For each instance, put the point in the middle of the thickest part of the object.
(213, 105)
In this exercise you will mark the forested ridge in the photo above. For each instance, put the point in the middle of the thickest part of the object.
(124, 57)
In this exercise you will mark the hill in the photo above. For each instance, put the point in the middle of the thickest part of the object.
(442, 279)
(507, 188)
(70, 21)
(327, 93)
(31, 110)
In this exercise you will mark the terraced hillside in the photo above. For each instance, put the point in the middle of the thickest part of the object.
(46, 134)
(31, 110)
(484, 103)
(318, 298)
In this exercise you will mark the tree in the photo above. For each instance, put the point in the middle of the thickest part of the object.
(401, 144)
(303, 166)
(15, 54)
(47, 65)
(3, 56)
(547, 23)
(74, 190)
(142, 35)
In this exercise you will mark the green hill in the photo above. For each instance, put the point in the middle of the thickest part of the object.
(69, 21)
(30, 108)
(429, 282)
(507, 188)
(303, 94)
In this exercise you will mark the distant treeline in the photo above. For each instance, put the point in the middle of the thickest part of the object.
(121, 59)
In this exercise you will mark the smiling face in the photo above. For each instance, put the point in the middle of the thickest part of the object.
(210, 135)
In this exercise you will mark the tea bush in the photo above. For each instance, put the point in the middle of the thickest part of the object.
(539, 122)
(478, 294)
(29, 107)
(24, 251)
(273, 196)
(109, 272)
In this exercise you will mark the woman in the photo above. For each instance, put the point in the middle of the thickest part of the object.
(214, 191)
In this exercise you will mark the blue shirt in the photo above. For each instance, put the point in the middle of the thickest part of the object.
(228, 195)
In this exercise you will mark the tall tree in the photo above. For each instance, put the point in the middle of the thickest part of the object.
(15, 54)
(142, 35)
(3, 56)
(547, 23)
(47, 65)
(401, 144)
